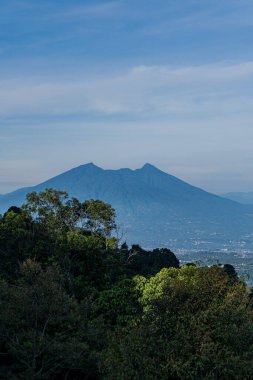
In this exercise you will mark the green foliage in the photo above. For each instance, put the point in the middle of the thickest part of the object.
(100, 217)
(195, 325)
(16, 239)
(149, 263)
(73, 305)
(120, 305)
(54, 209)
(43, 331)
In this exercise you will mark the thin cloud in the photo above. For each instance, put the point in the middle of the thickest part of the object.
(144, 91)
(93, 10)
(192, 16)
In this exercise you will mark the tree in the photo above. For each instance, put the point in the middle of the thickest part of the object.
(119, 305)
(16, 240)
(54, 209)
(44, 332)
(149, 263)
(195, 325)
(74, 306)
(100, 217)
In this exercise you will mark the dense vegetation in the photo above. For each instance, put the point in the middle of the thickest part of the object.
(73, 305)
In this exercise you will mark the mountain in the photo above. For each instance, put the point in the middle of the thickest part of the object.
(153, 207)
(244, 198)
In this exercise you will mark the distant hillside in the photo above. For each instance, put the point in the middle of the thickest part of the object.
(244, 198)
(153, 207)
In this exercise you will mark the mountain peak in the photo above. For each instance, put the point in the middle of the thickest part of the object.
(90, 165)
(150, 167)
(153, 206)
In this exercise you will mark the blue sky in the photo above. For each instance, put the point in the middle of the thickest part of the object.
(125, 82)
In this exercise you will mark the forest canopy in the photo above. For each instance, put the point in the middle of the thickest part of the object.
(76, 304)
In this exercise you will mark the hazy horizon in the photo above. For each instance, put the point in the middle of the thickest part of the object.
(122, 83)
(107, 168)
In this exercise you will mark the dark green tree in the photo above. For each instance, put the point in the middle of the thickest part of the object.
(147, 263)
(44, 332)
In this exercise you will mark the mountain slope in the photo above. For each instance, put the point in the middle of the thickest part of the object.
(244, 198)
(153, 207)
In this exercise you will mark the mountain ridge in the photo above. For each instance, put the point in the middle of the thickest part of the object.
(240, 197)
(153, 207)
